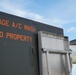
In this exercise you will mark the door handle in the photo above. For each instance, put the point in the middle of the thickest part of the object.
(31, 53)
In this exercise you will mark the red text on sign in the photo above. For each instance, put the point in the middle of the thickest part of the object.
(16, 25)
(1, 34)
(18, 37)
(4, 22)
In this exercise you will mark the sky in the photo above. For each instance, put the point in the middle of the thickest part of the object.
(59, 13)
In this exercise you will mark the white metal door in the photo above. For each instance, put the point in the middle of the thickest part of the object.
(55, 54)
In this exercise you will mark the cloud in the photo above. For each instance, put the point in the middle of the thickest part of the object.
(20, 8)
(72, 29)
(39, 18)
(9, 7)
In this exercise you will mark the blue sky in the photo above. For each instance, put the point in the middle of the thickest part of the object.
(60, 13)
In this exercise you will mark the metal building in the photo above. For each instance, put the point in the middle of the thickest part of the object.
(73, 48)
